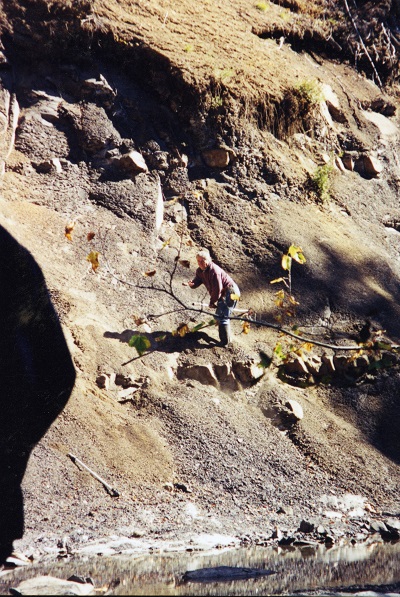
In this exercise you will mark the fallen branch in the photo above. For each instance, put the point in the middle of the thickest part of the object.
(110, 490)
(207, 307)
(169, 291)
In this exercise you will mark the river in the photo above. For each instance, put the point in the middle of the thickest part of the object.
(311, 569)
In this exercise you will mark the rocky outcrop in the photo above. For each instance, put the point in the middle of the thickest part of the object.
(227, 376)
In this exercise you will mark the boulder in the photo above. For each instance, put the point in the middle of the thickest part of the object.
(248, 371)
(227, 378)
(372, 166)
(132, 162)
(327, 365)
(295, 408)
(348, 162)
(201, 373)
(296, 366)
(94, 130)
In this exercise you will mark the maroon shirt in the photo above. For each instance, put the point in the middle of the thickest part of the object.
(214, 279)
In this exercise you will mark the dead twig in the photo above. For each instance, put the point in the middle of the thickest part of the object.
(110, 490)
(364, 47)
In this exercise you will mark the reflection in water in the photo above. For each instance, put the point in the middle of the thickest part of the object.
(297, 570)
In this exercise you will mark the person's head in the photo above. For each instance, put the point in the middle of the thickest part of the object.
(203, 259)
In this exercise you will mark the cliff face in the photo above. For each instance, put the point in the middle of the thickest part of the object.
(135, 134)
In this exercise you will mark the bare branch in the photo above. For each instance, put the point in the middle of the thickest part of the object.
(363, 44)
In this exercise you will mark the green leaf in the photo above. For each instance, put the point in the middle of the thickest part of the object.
(141, 343)
(297, 254)
(279, 351)
(286, 262)
(382, 345)
(198, 327)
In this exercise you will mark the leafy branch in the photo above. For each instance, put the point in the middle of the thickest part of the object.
(285, 300)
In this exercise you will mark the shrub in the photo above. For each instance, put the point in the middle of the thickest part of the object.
(322, 180)
(310, 92)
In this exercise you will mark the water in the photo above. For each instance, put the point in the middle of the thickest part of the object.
(309, 569)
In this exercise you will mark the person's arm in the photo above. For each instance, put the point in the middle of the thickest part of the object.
(196, 282)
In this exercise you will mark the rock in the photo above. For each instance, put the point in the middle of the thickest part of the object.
(182, 487)
(100, 90)
(158, 160)
(383, 106)
(313, 364)
(340, 363)
(226, 377)
(248, 371)
(295, 408)
(377, 526)
(224, 573)
(372, 166)
(304, 543)
(306, 527)
(339, 164)
(126, 381)
(47, 106)
(333, 104)
(138, 199)
(57, 165)
(43, 167)
(126, 394)
(223, 371)
(336, 113)
(277, 533)
(392, 524)
(103, 381)
(49, 585)
(362, 362)
(390, 535)
(327, 366)
(94, 130)
(285, 510)
(297, 366)
(202, 373)
(179, 213)
(132, 162)
(80, 579)
(282, 415)
(286, 541)
(216, 158)
(348, 162)
(17, 560)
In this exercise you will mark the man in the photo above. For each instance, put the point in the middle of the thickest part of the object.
(224, 292)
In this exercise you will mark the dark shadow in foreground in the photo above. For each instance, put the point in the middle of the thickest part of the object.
(36, 372)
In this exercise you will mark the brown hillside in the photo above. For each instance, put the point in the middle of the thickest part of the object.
(289, 97)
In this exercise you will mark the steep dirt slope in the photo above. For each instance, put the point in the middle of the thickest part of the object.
(187, 456)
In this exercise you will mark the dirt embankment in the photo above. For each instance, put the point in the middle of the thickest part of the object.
(100, 145)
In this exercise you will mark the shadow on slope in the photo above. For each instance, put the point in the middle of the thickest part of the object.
(37, 376)
(165, 341)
